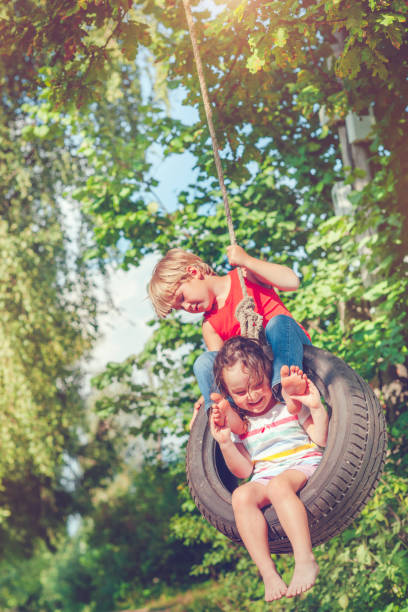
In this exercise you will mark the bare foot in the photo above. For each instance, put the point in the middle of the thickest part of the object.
(294, 382)
(224, 415)
(275, 588)
(304, 577)
(219, 409)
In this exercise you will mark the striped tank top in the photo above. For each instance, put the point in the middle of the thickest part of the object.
(276, 441)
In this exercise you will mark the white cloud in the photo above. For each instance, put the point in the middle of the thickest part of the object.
(123, 329)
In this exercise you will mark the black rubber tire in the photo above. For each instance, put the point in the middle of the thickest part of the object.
(345, 479)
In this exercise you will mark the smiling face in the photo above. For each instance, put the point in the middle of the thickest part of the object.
(250, 393)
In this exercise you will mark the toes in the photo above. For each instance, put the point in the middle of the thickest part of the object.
(296, 590)
(284, 371)
(216, 397)
(294, 369)
(276, 595)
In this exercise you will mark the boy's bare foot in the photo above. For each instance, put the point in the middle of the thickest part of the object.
(275, 588)
(304, 577)
(293, 382)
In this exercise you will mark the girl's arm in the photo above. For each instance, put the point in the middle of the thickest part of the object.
(261, 271)
(235, 455)
(317, 424)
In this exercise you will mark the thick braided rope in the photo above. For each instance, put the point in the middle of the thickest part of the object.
(250, 321)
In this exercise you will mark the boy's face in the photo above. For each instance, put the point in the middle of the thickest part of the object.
(253, 396)
(194, 295)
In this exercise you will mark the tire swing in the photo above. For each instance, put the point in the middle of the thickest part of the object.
(355, 453)
(343, 483)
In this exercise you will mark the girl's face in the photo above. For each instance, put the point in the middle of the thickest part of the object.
(248, 393)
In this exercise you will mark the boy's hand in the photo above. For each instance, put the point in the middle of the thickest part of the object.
(237, 256)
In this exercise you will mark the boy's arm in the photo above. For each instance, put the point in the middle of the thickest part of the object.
(235, 455)
(212, 340)
(196, 408)
(261, 271)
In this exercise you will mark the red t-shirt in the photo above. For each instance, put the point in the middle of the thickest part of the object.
(267, 303)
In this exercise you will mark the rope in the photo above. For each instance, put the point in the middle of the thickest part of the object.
(249, 320)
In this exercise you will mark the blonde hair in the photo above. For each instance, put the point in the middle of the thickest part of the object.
(168, 274)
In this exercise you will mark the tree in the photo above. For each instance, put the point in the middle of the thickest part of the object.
(47, 301)
(46, 326)
(270, 67)
(268, 74)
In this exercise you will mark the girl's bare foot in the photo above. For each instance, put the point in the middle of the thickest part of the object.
(275, 588)
(304, 577)
(293, 382)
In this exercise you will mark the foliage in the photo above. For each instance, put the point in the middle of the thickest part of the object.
(122, 554)
(47, 323)
(363, 568)
(270, 67)
(49, 150)
(67, 46)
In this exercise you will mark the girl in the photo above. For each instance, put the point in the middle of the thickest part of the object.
(280, 451)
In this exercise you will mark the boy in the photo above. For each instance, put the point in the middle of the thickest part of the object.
(183, 281)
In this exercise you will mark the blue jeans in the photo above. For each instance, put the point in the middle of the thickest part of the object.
(285, 337)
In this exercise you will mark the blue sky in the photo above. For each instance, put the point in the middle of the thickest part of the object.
(123, 329)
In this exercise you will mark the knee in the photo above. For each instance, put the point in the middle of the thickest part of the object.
(279, 490)
(276, 490)
(240, 498)
(276, 326)
(204, 363)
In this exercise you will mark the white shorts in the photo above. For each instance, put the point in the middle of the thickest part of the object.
(306, 468)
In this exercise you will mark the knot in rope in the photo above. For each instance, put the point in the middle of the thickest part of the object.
(249, 320)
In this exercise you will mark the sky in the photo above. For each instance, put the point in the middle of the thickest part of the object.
(124, 330)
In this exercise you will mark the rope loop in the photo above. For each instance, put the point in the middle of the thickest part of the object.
(250, 321)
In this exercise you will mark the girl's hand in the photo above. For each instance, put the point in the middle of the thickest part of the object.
(311, 397)
(197, 406)
(237, 256)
